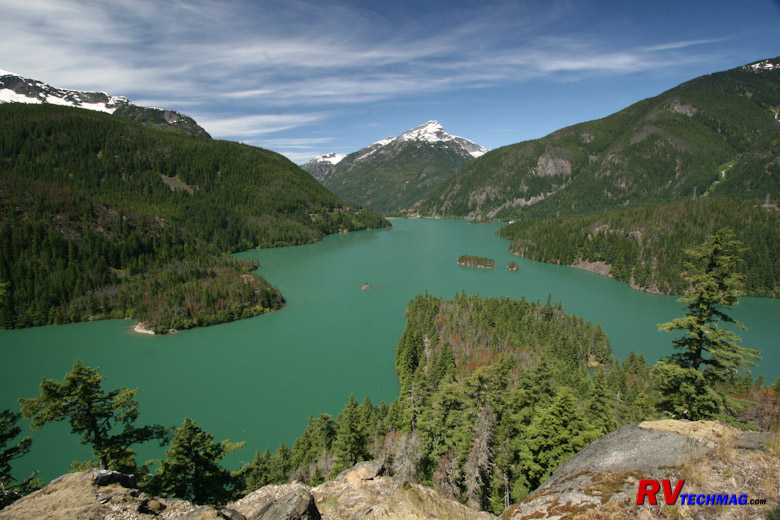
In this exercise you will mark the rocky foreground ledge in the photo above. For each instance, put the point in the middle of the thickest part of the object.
(599, 482)
(358, 493)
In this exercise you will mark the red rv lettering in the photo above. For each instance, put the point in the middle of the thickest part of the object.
(671, 499)
(643, 491)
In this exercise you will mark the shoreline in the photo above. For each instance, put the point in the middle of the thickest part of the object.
(140, 329)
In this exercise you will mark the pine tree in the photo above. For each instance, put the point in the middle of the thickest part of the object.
(191, 469)
(95, 414)
(553, 437)
(708, 354)
(600, 411)
(349, 445)
(255, 475)
(477, 469)
(10, 490)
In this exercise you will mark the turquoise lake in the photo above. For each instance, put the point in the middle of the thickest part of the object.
(258, 380)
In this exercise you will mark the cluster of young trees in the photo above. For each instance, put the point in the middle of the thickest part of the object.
(645, 246)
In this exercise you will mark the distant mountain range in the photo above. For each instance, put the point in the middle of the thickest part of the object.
(17, 89)
(392, 174)
(718, 134)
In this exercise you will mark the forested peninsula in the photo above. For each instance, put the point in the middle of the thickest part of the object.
(106, 218)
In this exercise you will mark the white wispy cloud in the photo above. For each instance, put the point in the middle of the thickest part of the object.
(295, 55)
(256, 125)
(306, 143)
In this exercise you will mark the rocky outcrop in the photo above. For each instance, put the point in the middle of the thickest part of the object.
(548, 165)
(357, 493)
(361, 493)
(292, 501)
(601, 481)
(98, 494)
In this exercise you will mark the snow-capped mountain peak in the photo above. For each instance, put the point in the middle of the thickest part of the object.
(430, 132)
(433, 132)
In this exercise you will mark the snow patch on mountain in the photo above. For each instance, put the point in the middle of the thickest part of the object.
(331, 158)
(762, 65)
(17, 89)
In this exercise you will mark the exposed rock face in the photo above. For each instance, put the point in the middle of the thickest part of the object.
(289, 501)
(604, 476)
(549, 165)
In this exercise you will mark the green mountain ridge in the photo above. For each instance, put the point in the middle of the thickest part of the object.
(716, 134)
(103, 217)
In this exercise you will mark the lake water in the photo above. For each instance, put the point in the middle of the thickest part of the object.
(258, 380)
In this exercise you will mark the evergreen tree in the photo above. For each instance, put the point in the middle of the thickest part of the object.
(255, 475)
(95, 414)
(477, 469)
(349, 445)
(10, 490)
(191, 469)
(553, 437)
(601, 409)
(708, 354)
(280, 465)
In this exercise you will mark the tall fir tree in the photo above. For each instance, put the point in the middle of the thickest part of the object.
(553, 437)
(709, 354)
(600, 410)
(349, 445)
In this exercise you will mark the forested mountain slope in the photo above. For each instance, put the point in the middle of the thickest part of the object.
(645, 246)
(104, 217)
(715, 134)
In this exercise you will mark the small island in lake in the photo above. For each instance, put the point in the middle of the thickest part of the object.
(512, 266)
(476, 261)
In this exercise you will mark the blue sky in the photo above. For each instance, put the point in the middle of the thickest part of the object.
(305, 77)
